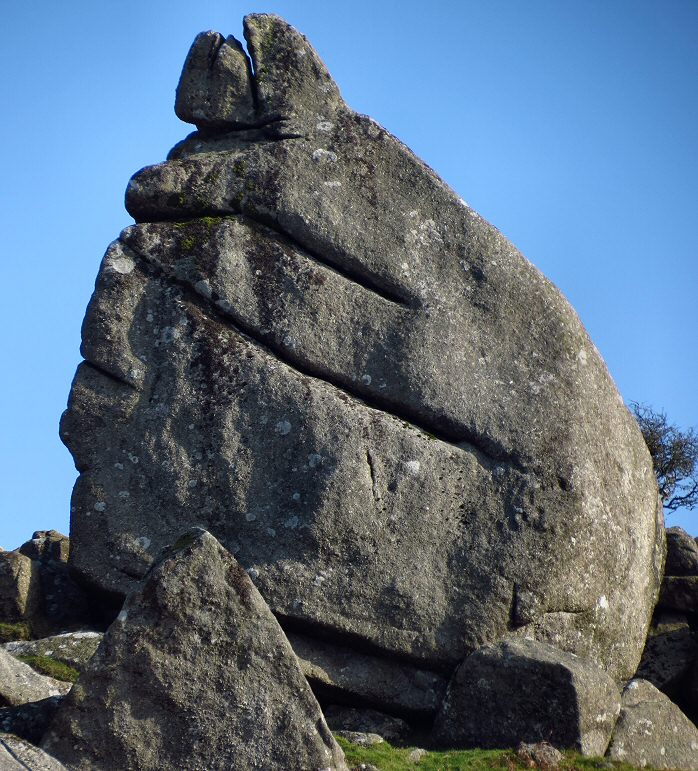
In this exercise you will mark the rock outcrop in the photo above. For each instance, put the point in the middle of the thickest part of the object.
(195, 673)
(524, 690)
(16, 754)
(312, 347)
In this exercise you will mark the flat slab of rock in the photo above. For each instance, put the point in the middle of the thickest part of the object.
(310, 345)
(392, 685)
(681, 554)
(524, 690)
(17, 754)
(20, 684)
(679, 593)
(72, 648)
(652, 731)
(668, 657)
(195, 673)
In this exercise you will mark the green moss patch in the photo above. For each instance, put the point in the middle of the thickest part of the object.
(388, 758)
(13, 632)
(48, 666)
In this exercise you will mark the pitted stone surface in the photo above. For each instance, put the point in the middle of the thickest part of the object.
(195, 673)
(524, 690)
(311, 345)
(652, 731)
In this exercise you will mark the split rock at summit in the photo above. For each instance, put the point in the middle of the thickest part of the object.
(195, 673)
(524, 690)
(312, 347)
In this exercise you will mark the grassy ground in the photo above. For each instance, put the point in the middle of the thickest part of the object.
(48, 666)
(12, 632)
(387, 758)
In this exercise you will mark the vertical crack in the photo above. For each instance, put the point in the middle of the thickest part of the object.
(372, 471)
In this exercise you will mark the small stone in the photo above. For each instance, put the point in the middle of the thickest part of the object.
(361, 738)
(392, 729)
(416, 755)
(539, 755)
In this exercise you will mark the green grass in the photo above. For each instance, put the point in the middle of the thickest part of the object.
(48, 666)
(12, 632)
(389, 758)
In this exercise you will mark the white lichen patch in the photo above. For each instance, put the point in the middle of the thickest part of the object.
(412, 467)
(332, 183)
(122, 264)
(122, 616)
(582, 356)
(291, 523)
(602, 602)
(100, 506)
(324, 156)
(250, 516)
(203, 288)
(324, 126)
(283, 427)
(143, 541)
(314, 460)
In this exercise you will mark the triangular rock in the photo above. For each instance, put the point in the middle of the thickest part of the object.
(195, 673)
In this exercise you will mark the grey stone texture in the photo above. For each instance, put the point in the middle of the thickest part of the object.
(17, 754)
(682, 553)
(29, 721)
(652, 731)
(668, 656)
(312, 347)
(195, 673)
(390, 685)
(679, 594)
(524, 690)
(72, 648)
(341, 718)
(19, 586)
(20, 684)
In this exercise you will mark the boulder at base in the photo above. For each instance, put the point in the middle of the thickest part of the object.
(681, 554)
(195, 673)
(652, 731)
(524, 690)
(314, 348)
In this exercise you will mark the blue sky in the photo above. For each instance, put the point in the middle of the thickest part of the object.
(570, 126)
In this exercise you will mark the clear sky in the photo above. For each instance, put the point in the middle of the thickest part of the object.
(571, 126)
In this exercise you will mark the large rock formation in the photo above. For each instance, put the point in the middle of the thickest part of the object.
(312, 347)
(195, 673)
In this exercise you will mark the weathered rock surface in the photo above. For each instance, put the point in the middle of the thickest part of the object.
(72, 648)
(16, 754)
(19, 589)
(392, 685)
(669, 654)
(524, 690)
(392, 729)
(682, 553)
(29, 721)
(310, 345)
(652, 731)
(20, 684)
(195, 673)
